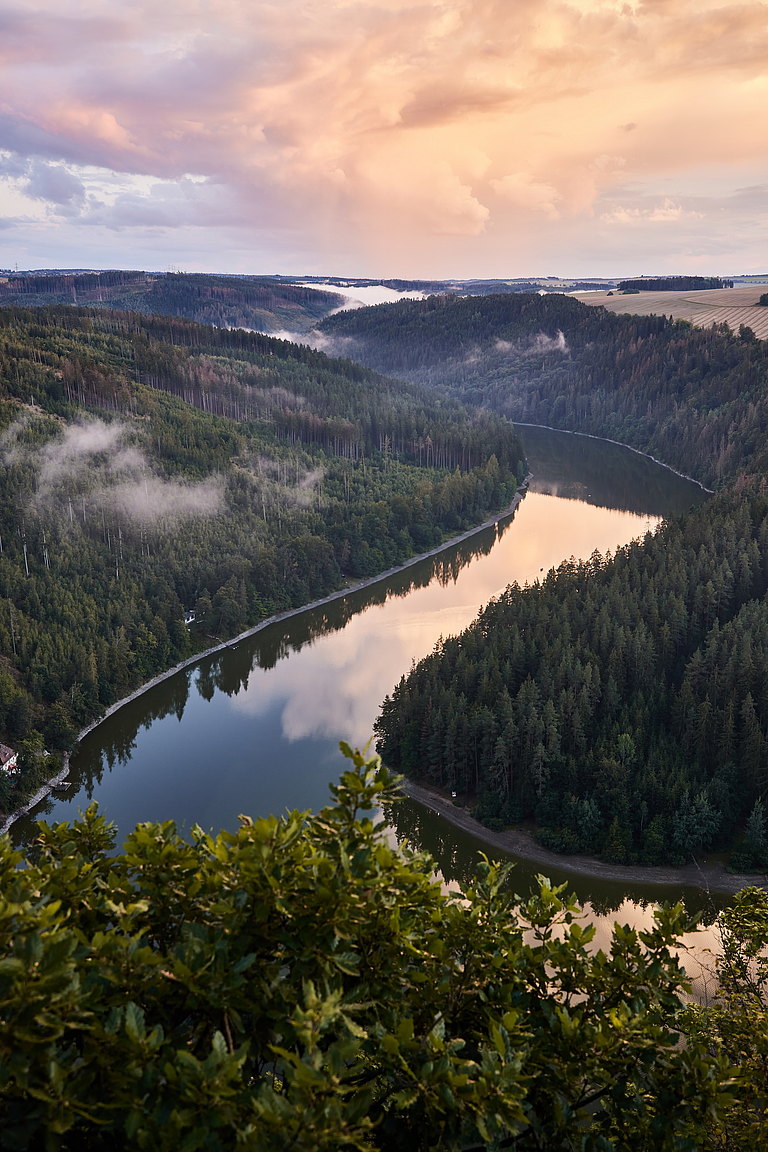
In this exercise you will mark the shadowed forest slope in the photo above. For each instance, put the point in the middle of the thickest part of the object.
(255, 302)
(695, 399)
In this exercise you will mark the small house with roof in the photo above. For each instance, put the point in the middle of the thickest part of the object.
(8, 759)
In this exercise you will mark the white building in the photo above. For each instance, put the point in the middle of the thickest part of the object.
(8, 759)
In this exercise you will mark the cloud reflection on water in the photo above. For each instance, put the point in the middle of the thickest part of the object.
(334, 686)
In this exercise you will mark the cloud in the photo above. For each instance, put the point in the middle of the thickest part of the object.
(416, 136)
(13, 167)
(54, 183)
(81, 447)
(167, 204)
(154, 500)
(332, 343)
(556, 343)
(667, 212)
(100, 462)
(525, 193)
(540, 343)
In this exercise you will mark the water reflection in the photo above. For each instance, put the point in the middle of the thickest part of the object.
(255, 728)
(604, 903)
(604, 473)
(456, 851)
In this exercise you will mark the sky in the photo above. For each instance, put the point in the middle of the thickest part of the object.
(380, 138)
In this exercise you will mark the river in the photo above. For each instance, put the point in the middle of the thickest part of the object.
(255, 729)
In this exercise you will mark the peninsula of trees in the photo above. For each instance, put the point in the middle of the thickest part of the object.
(621, 702)
(154, 467)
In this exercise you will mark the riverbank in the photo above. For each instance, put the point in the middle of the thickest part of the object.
(507, 513)
(516, 842)
(620, 444)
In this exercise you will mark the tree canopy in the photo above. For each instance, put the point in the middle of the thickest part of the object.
(694, 398)
(152, 465)
(620, 704)
(255, 302)
(303, 984)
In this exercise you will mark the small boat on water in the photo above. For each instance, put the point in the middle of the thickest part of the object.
(61, 785)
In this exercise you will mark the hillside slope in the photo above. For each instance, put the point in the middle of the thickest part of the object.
(731, 306)
(620, 704)
(254, 302)
(696, 399)
(153, 466)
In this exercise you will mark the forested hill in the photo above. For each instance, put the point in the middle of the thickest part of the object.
(152, 466)
(673, 284)
(255, 302)
(694, 398)
(621, 704)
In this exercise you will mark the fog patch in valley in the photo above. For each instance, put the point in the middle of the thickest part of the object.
(283, 481)
(540, 343)
(364, 295)
(102, 461)
(153, 499)
(343, 347)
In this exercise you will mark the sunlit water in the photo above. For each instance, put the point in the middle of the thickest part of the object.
(255, 729)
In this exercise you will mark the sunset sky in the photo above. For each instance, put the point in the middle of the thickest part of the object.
(442, 138)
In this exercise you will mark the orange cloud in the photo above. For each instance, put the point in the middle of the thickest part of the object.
(366, 128)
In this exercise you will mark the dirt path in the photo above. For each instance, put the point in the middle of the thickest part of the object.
(711, 877)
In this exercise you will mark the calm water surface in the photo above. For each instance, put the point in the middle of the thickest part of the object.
(255, 729)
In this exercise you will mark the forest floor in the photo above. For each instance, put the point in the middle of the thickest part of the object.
(708, 875)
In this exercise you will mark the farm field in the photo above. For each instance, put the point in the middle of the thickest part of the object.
(731, 306)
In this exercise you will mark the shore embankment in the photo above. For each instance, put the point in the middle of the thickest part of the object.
(619, 444)
(45, 789)
(711, 877)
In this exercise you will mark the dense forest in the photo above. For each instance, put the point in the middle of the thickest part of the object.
(673, 284)
(153, 467)
(694, 398)
(255, 302)
(301, 981)
(620, 704)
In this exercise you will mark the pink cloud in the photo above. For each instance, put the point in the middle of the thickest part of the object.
(375, 129)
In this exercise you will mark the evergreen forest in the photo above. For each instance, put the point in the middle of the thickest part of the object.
(153, 467)
(673, 284)
(693, 398)
(254, 302)
(619, 704)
